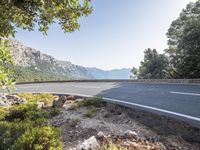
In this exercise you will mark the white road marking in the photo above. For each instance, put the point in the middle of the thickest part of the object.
(88, 87)
(183, 93)
(129, 103)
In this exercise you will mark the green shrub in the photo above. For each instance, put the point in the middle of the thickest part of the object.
(10, 131)
(3, 112)
(74, 122)
(24, 127)
(55, 111)
(91, 113)
(26, 112)
(34, 98)
(47, 98)
(93, 101)
(44, 138)
(27, 121)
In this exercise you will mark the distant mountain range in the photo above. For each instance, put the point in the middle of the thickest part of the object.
(32, 65)
(123, 73)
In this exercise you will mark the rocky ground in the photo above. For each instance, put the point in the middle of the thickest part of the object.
(111, 127)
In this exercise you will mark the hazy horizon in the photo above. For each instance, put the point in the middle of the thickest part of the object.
(114, 36)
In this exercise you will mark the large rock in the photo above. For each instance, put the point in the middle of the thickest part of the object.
(100, 135)
(40, 104)
(4, 103)
(9, 100)
(89, 144)
(71, 97)
(130, 134)
(59, 102)
(15, 100)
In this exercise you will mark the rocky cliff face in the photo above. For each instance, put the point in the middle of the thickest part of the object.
(27, 57)
(32, 65)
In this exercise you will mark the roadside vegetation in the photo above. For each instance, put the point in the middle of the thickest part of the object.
(88, 102)
(91, 112)
(25, 126)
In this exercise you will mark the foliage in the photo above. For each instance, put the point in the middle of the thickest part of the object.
(3, 112)
(28, 14)
(92, 101)
(91, 112)
(74, 122)
(24, 127)
(134, 73)
(184, 43)
(154, 65)
(28, 112)
(47, 98)
(39, 138)
(55, 111)
(6, 65)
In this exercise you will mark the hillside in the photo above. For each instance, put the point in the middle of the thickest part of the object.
(123, 73)
(32, 65)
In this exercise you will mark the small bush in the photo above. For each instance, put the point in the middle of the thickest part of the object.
(26, 112)
(24, 127)
(10, 131)
(74, 122)
(55, 111)
(34, 98)
(93, 101)
(91, 113)
(40, 138)
(3, 112)
(46, 98)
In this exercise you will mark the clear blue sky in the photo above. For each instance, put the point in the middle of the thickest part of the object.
(113, 36)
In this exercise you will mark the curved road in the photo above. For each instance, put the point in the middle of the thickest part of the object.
(180, 101)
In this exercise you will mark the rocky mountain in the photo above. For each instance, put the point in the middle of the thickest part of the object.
(123, 73)
(39, 66)
(32, 65)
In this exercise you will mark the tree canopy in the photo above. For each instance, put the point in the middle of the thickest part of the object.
(32, 14)
(154, 65)
(182, 57)
(28, 14)
(6, 71)
(184, 43)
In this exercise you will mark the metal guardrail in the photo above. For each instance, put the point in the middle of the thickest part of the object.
(180, 81)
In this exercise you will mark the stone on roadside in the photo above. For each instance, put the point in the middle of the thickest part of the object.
(4, 103)
(15, 100)
(59, 102)
(40, 104)
(71, 97)
(130, 134)
(89, 144)
(100, 135)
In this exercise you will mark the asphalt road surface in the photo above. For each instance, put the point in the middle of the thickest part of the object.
(180, 101)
